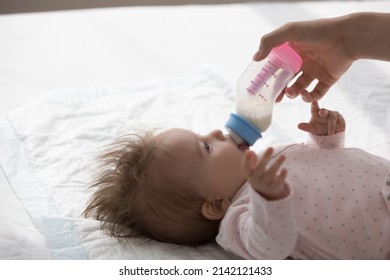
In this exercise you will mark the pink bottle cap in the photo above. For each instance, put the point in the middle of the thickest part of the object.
(289, 56)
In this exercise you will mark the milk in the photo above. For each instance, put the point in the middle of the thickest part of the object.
(257, 114)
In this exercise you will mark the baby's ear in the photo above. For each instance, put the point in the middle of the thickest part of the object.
(215, 209)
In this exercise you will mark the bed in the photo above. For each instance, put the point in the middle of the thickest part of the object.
(73, 81)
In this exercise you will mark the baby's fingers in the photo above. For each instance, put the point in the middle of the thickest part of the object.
(270, 174)
(332, 122)
(274, 181)
(340, 123)
(317, 114)
(308, 127)
(252, 164)
(280, 179)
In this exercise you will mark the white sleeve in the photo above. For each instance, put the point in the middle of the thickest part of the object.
(254, 228)
(328, 141)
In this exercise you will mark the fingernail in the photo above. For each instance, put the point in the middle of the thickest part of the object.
(256, 55)
(291, 93)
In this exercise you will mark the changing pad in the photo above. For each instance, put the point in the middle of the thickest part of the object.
(48, 149)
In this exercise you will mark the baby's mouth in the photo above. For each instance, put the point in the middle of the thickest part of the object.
(243, 146)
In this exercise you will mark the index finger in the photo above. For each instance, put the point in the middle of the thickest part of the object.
(315, 108)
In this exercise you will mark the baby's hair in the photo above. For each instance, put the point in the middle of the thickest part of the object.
(123, 164)
(141, 193)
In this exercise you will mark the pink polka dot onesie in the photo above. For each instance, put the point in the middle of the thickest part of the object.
(338, 207)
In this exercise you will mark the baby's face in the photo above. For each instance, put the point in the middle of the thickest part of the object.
(214, 161)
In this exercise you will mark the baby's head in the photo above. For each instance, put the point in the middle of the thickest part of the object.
(174, 186)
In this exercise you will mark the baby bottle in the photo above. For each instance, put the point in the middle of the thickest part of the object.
(257, 90)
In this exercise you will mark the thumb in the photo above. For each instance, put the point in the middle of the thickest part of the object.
(271, 40)
(308, 127)
(264, 49)
(249, 162)
(266, 45)
(260, 54)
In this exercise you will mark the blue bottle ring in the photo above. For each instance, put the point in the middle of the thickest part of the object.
(243, 128)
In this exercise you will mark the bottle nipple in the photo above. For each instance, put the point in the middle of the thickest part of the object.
(241, 130)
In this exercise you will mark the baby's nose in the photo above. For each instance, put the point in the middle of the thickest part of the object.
(218, 134)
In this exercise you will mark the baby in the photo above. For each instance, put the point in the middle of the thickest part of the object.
(304, 201)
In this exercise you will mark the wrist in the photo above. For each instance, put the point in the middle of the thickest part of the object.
(350, 29)
(280, 193)
(365, 36)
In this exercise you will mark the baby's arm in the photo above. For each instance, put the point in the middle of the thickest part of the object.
(267, 181)
(260, 223)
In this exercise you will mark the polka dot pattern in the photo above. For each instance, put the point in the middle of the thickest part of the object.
(339, 208)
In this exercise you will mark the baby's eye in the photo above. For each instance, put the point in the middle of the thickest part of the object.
(207, 147)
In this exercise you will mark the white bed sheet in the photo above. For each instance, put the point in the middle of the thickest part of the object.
(111, 70)
(49, 160)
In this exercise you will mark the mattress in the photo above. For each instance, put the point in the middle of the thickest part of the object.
(72, 82)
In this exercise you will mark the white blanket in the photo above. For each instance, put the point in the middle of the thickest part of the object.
(48, 149)
(47, 145)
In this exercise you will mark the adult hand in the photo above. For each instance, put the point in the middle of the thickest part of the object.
(321, 45)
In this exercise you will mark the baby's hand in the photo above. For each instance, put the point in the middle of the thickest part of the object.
(267, 181)
(323, 121)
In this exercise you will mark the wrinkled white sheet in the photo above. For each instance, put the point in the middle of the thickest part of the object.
(47, 146)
